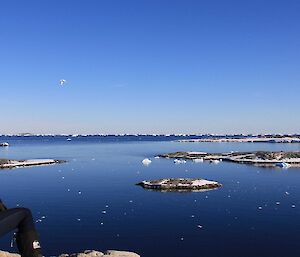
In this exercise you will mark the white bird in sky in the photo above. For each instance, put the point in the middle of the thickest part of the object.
(62, 82)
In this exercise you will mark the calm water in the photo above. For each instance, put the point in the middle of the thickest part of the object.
(153, 224)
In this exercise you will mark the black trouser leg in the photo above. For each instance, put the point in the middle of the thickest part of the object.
(16, 218)
(27, 238)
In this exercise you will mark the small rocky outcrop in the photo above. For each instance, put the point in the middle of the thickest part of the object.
(87, 253)
(179, 184)
(9, 164)
(258, 158)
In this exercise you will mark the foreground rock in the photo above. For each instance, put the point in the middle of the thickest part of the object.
(7, 254)
(87, 253)
(8, 164)
(179, 184)
(110, 253)
(259, 158)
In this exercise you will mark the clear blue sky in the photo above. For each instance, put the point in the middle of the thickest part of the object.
(150, 66)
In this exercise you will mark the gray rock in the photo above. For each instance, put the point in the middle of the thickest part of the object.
(87, 253)
(179, 184)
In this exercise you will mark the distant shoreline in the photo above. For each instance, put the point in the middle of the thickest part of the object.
(243, 140)
(196, 135)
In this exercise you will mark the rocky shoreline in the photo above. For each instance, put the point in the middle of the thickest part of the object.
(179, 184)
(87, 253)
(9, 164)
(258, 158)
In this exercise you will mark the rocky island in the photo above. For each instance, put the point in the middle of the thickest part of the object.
(9, 164)
(258, 158)
(179, 184)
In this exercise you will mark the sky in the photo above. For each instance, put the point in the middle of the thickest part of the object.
(150, 66)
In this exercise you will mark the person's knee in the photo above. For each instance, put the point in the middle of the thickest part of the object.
(25, 211)
(27, 221)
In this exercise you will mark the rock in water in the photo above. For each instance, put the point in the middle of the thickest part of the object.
(179, 184)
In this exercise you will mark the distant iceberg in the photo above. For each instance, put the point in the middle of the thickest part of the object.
(146, 161)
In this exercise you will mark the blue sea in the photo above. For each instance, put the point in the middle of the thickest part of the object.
(92, 202)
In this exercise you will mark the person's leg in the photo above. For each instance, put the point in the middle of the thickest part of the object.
(15, 218)
(27, 237)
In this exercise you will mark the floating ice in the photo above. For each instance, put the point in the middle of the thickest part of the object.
(156, 157)
(62, 82)
(177, 161)
(146, 161)
(198, 160)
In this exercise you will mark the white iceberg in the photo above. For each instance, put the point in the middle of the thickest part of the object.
(146, 161)
(62, 82)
